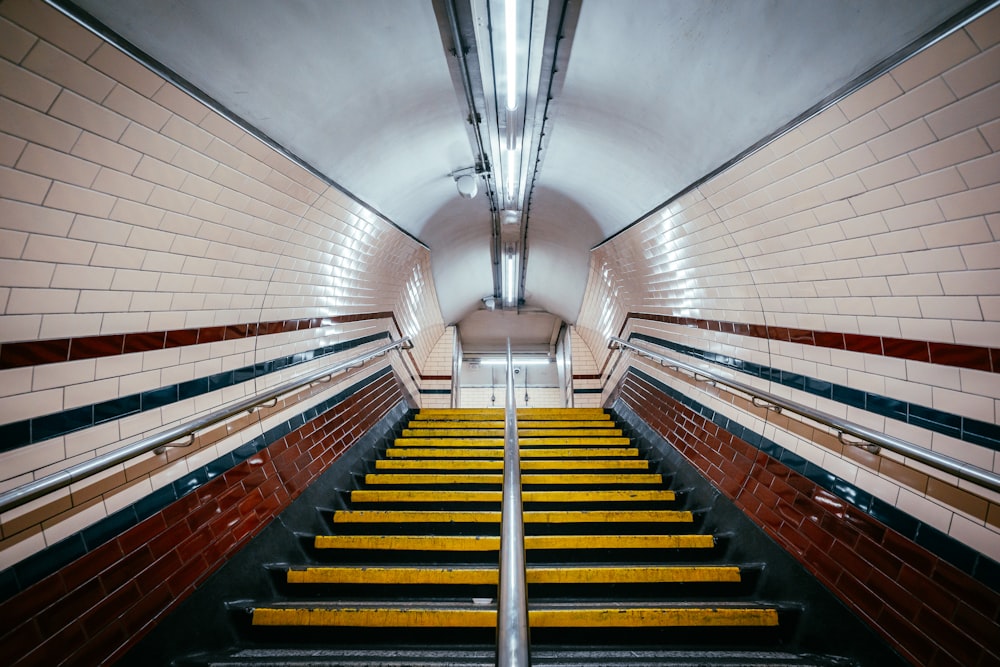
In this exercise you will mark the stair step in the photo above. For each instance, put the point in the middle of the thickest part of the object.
(492, 543)
(450, 615)
(526, 414)
(549, 517)
(632, 574)
(499, 423)
(457, 656)
(461, 496)
(498, 432)
(480, 464)
(453, 656)
(497, 453)
(483, 440)
(526, 480)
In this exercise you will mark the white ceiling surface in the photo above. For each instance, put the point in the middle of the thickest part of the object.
(656, 94)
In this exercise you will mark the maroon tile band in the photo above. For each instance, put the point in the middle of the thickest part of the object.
(945, 354)
(38, 352)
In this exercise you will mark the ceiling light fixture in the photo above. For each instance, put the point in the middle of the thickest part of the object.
(468, 185)
(510, 44)
(510, 35)
(510, 276)
(517, 361)
(467, 181)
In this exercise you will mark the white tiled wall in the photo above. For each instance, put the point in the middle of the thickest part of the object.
(439, 365)
(878, 216)
(128, 206)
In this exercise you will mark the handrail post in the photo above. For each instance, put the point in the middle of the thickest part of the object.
(512, 614)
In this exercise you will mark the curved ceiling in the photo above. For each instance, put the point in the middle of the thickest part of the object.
(648, 97)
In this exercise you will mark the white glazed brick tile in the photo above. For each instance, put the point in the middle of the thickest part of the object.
(925, 98)
(19, 273)
(977, 109)
(85, 114)
(24, 406)
(935, 60)
(950, 307)
(73, 520)
(124, 69)
(33, 126)
(980, 536)
(967, 232)
(19, 544)
(954, 150)
(979, 333)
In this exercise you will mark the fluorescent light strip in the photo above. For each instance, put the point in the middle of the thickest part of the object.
(508, 279)
(502, 361)
(511, 179)
(510, 15)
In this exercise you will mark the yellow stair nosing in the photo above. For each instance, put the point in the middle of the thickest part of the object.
(409, 542)
(492, 543)
(652, 617)
(533, 516)
(531, 464)
(531, 479)
(464, 496)
(534, 574)
(539, 617)
(497, 453)
(484, 440)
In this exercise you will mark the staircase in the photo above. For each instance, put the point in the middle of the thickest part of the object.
(619, 569)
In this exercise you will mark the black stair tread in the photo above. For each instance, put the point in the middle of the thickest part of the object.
(486, 657)
(586, 605)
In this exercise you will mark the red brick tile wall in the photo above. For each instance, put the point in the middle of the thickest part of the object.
(93, 610)
(930, 611)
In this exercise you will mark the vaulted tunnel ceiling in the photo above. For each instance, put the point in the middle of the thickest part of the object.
(648, 96)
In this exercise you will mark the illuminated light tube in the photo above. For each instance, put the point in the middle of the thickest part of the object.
(502, 361)
(510, 35)
(508, 279)
(511, 180)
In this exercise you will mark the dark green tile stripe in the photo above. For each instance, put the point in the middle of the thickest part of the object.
(966, 429)
(37, 429)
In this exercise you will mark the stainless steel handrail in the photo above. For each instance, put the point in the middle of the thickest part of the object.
(952, 466)
(40, 487)
(512, 615)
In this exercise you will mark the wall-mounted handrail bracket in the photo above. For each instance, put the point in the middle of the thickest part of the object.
(163, 448)
(159, 443)
(701, 377)
(871, 440)
(270, 404)
(870, 447)
(757, 403)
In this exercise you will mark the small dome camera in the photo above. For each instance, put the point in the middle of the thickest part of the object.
(517, 371)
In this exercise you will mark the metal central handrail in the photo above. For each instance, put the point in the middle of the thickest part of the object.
(952, 466)
(40, 487)
(512, 614)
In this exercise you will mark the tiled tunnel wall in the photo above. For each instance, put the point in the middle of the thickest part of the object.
(158, 262)
(853, 265)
